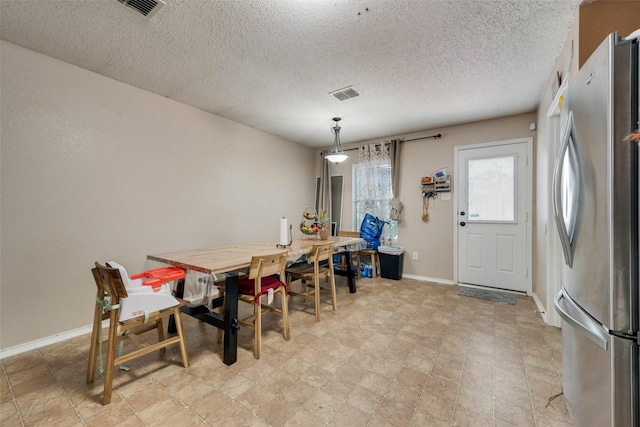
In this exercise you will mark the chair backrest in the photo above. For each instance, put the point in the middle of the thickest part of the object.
(349, 234)
(109, 282)
(268, 265)
(321, 252)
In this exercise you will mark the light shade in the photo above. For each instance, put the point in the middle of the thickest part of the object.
(336, 157)
(337, 154)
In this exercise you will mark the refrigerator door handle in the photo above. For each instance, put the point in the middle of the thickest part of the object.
(565, 230)
(574, 316)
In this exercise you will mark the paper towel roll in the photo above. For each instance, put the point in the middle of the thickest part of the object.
(284, 239)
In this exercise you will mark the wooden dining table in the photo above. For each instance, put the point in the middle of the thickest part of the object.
(232, 260)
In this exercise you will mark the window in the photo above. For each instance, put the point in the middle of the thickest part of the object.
(372, 194)
(491, 189)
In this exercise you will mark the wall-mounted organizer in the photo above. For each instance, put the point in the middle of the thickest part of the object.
(443, 184)
(428, 187)
(438, 182)
(435, 185)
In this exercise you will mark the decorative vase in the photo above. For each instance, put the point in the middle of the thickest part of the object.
(324, 233)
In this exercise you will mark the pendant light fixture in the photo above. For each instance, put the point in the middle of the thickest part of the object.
(337, 154)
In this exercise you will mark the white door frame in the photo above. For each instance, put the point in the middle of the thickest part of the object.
(529, 204)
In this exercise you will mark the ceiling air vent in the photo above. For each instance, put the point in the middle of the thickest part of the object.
(147, 8)
(345, 93)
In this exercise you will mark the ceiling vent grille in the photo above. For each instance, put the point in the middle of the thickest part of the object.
(345, 93)
(147, 8)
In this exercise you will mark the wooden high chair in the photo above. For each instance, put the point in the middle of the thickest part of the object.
(311, 274)
(111, 290)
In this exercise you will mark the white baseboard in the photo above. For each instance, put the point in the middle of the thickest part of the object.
(428, 279)
(541, 309)
(42, 342)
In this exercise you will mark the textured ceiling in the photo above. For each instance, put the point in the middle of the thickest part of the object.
(270, 64)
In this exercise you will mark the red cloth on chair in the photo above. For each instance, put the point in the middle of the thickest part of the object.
(247, 287)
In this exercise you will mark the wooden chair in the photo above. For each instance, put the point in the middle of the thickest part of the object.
(111, 291)
(257, 286)
(311, 274)
(375, 260)
(372, 253)
(342, 265)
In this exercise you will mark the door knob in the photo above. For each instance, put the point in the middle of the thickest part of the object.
(462, 213)
(462, 223)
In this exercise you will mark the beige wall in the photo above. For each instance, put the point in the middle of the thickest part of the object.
(433, 240)
(96, 170)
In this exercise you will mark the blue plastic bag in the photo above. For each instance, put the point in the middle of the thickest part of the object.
(371, 230)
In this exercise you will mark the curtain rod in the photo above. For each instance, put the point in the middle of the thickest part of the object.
(405, 140)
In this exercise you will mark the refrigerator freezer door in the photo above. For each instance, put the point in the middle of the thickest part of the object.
(596, 373)
(599, 100)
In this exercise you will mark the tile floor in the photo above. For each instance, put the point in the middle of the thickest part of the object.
(397, 353)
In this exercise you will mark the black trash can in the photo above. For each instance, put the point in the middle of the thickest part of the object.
(391, 258)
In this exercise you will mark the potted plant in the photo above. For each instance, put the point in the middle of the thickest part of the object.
(323, 222)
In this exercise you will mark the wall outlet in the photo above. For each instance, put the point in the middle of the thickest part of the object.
(445, 196)
(415, 256)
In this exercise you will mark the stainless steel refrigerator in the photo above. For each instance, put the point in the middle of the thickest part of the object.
(595, 199)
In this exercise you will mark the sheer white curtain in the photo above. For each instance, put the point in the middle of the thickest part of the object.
(372, 183)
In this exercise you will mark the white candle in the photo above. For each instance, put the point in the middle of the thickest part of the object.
(284, 239)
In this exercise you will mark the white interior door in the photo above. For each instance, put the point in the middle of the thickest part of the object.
(492, 215)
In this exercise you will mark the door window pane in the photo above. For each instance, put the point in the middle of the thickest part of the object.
(491, 189)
